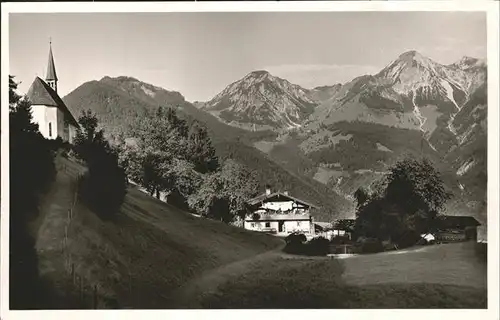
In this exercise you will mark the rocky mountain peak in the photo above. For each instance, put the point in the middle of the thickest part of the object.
(262, 101)
(467, 62)
(259, 73)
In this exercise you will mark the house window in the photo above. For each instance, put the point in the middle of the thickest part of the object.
(50, 129)
(298, 223)
(268, 224)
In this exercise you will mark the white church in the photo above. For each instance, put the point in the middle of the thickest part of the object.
(49, 111)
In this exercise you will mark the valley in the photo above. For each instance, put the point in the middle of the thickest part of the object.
(413, 107)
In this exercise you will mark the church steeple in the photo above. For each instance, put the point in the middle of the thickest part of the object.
(51, 77)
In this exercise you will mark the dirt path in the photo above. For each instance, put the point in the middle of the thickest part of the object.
(53, 217)
(191, 295)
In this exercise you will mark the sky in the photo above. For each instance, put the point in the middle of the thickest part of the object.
(199, 54)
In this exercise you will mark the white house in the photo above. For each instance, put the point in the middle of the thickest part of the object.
(49, 111)
(280, 214)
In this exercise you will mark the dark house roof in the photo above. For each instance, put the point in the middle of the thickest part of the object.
(457, 222)
(40, 93)
(278, 196)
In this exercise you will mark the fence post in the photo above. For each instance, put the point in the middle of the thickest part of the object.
(81, 289)
(95, 296)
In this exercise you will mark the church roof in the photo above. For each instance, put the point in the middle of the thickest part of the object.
(40, 93)
(51, 68)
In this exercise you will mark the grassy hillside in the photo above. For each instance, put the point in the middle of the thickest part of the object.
(136, 261)
(363, 145)
(446, 276)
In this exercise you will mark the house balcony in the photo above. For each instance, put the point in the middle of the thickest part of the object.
(280, 217)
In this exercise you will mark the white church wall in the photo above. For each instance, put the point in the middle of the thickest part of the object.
(46, 118)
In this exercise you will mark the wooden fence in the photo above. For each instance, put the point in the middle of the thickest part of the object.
(85, 291)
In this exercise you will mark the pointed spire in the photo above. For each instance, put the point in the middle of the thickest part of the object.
(51, 69)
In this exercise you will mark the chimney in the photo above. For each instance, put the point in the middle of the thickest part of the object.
(268, 190)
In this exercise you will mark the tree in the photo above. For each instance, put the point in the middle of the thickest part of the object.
(32, 169)
(169, 155)
(89, 142)
(361, 196)
(412, 196)
(200, 150)
(104, 186)
(223, 195)
(415, 186)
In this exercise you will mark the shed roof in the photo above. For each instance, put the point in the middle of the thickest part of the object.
(323, 225)
(452, 222)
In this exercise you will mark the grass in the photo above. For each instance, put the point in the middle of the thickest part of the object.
(141, 258)
(449, 264)
(437, 278)
(155, 256)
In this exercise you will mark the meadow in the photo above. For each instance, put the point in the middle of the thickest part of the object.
(135, 261)
(444, 276)
(154, 256)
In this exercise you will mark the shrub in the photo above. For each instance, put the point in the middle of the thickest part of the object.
(371, 245)
(408, 239)
(295, 243)
(103, 187)
(319, 246)
(296, 238)
(59, 145)
(341, 240)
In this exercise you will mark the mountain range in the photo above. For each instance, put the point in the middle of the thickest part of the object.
(323, 143)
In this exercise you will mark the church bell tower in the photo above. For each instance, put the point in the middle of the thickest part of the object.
(51, 77)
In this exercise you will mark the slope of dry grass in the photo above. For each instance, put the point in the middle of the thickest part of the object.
(137, 260)
(442, 264)
(448, 276)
